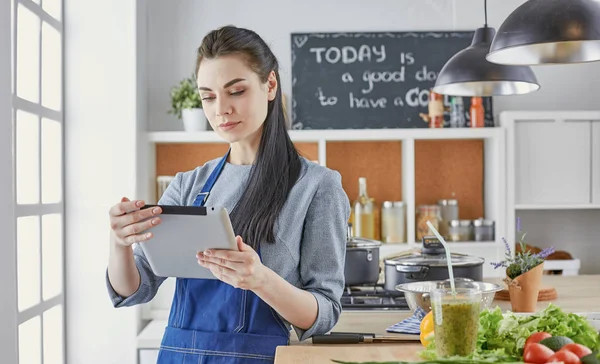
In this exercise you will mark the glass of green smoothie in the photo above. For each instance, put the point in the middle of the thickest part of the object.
(455, 320)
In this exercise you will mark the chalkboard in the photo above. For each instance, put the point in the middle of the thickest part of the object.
(370, 80)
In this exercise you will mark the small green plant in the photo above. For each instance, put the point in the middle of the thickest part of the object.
(524, 260)
(185, 96)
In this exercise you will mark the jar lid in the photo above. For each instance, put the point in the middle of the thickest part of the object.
(462, 223)
(482, 222)
(448, 202)
(437, 260)
(388, 204)
(428, 207)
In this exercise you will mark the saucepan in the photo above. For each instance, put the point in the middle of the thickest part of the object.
(362, 260)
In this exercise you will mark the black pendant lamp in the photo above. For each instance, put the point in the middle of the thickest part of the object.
(468, 73)
(549, 32)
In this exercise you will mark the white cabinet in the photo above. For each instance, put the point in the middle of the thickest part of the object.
(148, 356)
(552, 162)
(596, 162)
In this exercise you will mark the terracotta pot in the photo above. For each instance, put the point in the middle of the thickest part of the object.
(524, 289)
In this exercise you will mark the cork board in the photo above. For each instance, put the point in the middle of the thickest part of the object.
(450, 169)
(380, 162)
(309, 151)
(175, 157)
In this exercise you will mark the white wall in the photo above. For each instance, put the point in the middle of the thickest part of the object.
(176, 28)
(101, 144)
(576, 231)
(8, 258)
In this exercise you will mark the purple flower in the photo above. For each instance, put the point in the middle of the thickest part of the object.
(545, 253)
(518, 224)
(506, 245)
(498, 265)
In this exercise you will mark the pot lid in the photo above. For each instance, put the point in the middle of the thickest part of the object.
(434, 260)
(358, 242)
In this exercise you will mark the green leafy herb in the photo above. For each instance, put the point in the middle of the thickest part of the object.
(185, 96)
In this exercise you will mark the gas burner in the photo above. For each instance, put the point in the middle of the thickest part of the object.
(372, 297)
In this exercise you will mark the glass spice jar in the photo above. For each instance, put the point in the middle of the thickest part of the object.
(392, 222)
(449, 212)
(460, 230)
(484, 230)
(426, 213)
(436, 110)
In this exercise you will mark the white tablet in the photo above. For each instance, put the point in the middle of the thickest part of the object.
(183, 232)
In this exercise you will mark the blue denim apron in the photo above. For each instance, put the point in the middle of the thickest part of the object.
(212, 322)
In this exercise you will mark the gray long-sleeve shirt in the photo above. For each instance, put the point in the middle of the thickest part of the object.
(310, 246)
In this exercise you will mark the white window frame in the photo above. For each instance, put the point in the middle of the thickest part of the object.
(8, 263)
(8, 268)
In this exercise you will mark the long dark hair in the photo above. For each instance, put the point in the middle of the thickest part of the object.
(277, 166)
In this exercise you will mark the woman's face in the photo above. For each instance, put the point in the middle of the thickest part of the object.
(233, 97)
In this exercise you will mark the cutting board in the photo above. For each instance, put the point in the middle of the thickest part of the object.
(546, 294)
(322, 354)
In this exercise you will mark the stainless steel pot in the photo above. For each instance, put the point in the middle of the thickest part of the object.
(430, 264)
(362, 260)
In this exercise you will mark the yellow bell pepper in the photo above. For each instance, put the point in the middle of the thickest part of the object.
(426, 327)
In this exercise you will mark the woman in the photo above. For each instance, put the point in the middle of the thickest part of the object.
(290, 216)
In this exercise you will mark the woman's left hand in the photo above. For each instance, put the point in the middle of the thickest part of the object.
(241, 269)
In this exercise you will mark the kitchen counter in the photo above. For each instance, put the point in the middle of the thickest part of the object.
(575, 294)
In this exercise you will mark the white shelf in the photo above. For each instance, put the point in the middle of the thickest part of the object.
(338, 135)
(494, 172)
(557, 207)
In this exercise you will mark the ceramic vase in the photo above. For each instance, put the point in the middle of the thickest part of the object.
(524, 289)
(193, 119)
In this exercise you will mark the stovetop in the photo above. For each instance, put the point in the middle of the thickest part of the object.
(372, 297)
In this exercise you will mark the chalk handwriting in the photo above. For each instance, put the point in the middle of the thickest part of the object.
(349, 54)
(372, 77)
(326, 101)
(366, 103)
(347, 77)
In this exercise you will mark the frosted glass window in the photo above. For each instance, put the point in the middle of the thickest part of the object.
(28, 54)
(28, 261)
(53, 335)
(53, 7)
(52, 262)
(30, 341)
(27, 149)
(51, 161)
(51, 67)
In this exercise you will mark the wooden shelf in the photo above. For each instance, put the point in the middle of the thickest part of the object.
(337, 135)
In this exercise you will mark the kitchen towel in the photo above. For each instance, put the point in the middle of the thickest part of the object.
(409, 326)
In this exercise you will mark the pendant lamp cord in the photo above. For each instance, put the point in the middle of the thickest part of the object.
(485, 12)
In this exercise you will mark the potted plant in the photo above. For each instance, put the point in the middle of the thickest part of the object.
(523, 274)
(187, 105)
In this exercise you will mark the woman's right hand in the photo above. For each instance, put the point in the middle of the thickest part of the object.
(129, 224)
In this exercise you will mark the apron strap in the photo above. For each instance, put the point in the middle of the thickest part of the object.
(203, 195)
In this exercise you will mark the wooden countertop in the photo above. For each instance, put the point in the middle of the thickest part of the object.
(577, 294)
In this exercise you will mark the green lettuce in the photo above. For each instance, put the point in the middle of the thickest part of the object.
(509, 332)
(504, 334)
